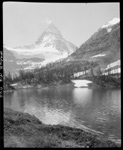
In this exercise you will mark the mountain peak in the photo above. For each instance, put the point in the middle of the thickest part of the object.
(51, 25)
(111, 22)
(52, 28)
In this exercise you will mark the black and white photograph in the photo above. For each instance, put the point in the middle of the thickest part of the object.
(61, 75)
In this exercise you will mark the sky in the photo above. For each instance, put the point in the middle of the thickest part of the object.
(24, 22)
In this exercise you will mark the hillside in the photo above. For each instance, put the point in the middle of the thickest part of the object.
(102, 47)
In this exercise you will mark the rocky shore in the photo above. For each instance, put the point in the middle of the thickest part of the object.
(24, 130)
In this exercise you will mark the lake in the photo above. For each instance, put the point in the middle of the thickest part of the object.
(94, 110)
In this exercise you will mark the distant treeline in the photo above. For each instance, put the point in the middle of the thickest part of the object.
(52, 72)
(61, 71)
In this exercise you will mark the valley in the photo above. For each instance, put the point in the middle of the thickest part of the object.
(57, 94)
(50, 60)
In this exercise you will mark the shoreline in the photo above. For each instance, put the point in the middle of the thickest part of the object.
(92, 85)
(5, 91)
(30, 132)
(39, 86)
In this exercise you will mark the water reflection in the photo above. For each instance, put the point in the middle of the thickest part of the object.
(47, 115)
(82, 96)
(116, 101)
(9, 97)
(91, 109)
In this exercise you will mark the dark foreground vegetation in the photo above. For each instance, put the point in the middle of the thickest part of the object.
(24, 130)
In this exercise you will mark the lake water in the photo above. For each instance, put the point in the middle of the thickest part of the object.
(94, 110)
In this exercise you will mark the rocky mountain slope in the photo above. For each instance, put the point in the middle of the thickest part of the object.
(102, 47)
(9, 61)
(13, 64)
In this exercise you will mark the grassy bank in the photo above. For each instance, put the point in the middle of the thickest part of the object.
(24, 130)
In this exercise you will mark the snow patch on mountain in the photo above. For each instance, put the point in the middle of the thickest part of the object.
(49, 60)
(114, 68)
(81, 83)
(111, 23)
(113, 71)
(99, 55)
(80, 73)
(116, 63)
(51, 54)
(45, 62)
(109, 30)
(24, 63)
(48, 39)
(34, 51)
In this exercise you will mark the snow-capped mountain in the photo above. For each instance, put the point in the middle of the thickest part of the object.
(102, 47)
(111, 23)
(49, 47)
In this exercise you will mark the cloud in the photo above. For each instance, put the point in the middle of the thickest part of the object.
(48, 21)
(45, 22)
